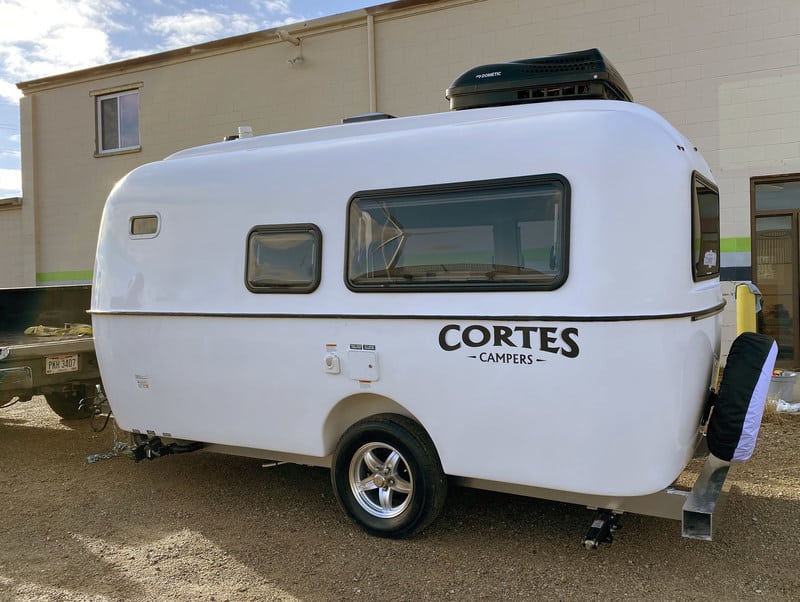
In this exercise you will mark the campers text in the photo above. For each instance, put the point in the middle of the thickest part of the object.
(544, 338)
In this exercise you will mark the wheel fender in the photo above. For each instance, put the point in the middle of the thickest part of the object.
(736, 418)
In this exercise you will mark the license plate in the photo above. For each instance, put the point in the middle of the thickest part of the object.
(57, 364)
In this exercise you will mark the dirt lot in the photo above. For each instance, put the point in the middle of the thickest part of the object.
(211, 527)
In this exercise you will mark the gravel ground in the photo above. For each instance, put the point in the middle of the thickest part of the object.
(210, 527)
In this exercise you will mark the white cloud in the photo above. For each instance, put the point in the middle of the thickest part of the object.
(10, 182)
(12, 154)
(275, 13)
(200, 26)
(64, 49)
(280, 23)
(274, 6)
(30, 20)
(53, 36)
(9, 92)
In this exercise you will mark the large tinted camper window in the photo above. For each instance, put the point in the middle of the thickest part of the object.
(705, 229)
(496, 235)
(284, 259)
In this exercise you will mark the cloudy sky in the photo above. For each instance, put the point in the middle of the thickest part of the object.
(46, 37)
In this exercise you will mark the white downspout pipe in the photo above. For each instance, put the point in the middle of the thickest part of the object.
(373, 84)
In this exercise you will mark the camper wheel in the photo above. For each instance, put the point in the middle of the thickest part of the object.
(387, 476)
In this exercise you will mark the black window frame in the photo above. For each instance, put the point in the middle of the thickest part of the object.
(309, 228)
(449, 189)
(699, 179)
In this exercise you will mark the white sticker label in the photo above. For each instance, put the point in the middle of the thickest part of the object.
(710, 259)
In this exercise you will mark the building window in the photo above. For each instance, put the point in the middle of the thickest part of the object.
(776, 263)
(705, 230)
(508, 234)
(118, 122)
(284, 259)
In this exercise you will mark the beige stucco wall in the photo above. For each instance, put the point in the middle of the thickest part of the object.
(725, 72)
(11, 268)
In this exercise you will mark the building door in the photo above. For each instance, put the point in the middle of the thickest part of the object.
(776, 264)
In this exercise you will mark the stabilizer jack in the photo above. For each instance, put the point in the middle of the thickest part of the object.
(602, 530)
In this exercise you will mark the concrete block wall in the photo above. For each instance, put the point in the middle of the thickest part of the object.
(71, 183)
(728, 319)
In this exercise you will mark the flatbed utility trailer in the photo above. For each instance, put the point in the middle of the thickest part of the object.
(56, 357)
(521, 294)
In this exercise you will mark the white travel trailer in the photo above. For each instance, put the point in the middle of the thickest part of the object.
(522, 296)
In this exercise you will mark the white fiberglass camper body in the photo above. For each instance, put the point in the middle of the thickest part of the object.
(527, 296)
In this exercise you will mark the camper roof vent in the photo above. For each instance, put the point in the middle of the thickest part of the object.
(570, 76)
(245, 131)
(367, 117)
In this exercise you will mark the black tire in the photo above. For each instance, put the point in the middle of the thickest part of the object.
(405, 486)
(68, 405)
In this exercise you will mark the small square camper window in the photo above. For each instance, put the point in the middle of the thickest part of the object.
(284, 259)
(508, 234)
(705, 229)
(144, 226)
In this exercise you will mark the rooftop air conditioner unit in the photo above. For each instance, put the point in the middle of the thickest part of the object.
(571, 76)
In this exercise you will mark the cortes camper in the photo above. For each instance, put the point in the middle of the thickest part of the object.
(521, 294)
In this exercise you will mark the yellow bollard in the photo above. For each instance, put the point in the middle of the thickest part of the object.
(745, 309)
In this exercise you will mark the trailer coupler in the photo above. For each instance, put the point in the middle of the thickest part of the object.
(151, 449)
(602, 530)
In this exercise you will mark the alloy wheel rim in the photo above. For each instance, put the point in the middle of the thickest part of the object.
(381, 480)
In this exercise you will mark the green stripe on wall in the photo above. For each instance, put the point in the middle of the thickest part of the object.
(734, 245)
(80, 275)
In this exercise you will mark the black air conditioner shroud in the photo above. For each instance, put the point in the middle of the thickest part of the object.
(569, 76)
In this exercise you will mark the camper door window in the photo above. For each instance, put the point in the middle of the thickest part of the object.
(283, 259)
(705, 229)
(508, 234)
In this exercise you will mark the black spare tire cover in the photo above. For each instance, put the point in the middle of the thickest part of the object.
(736, 419)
